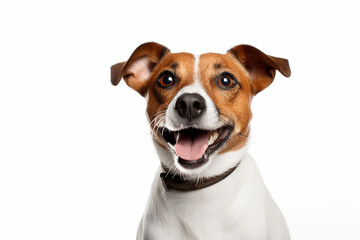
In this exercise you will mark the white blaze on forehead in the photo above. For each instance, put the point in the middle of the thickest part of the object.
(196, 68)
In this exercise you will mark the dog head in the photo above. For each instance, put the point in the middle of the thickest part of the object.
(199, 106)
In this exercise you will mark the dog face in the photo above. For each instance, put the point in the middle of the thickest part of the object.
(199, 106)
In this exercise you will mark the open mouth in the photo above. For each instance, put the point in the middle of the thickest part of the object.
(194, 146)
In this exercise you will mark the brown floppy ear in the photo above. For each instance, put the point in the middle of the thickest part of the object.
(137, 70)
(261, 67)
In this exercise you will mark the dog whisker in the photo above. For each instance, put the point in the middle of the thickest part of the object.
(177, 173)
(198, 179)
(160, 113)
(158, 122)
(155, 117)
(170, 170)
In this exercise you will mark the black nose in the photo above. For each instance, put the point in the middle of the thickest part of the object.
(190, 106)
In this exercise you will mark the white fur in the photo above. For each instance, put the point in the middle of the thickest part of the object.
(196, 68)
(238, 207)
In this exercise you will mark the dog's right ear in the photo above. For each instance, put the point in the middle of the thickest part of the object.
(260, 66)
(137, 70)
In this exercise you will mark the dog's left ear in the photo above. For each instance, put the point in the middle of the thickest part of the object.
(260, 66)
(137, 70)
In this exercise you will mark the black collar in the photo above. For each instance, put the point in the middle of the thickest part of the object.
(175, 182)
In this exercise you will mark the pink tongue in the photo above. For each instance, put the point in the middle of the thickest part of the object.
(192, 147)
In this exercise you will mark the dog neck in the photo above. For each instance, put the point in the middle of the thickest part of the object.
(176, 182)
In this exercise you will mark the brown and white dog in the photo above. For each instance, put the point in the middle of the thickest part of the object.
(198, 107)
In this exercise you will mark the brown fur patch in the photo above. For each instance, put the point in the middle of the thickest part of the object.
(233, 104)
(160, 98)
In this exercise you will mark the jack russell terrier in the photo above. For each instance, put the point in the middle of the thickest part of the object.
(198, 107)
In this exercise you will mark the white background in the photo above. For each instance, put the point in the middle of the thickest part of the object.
(76, 158)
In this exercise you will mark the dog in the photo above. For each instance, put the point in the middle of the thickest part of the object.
(207, 185)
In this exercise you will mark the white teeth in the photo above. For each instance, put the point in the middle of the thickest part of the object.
(213, 136)
(216, 135)
(177, 136)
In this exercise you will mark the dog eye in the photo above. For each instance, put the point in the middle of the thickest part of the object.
(226, 81)
(166, 80)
